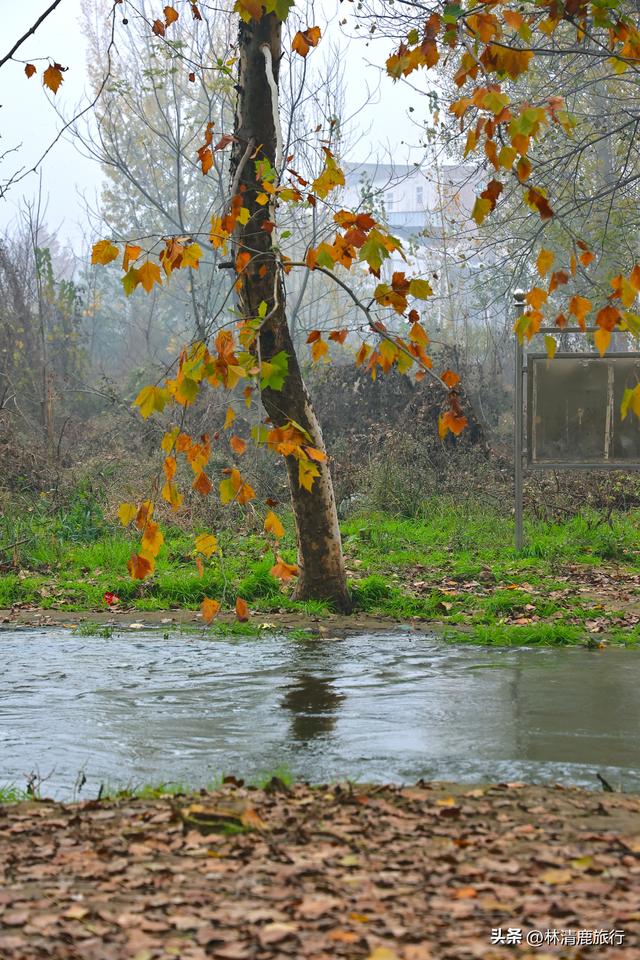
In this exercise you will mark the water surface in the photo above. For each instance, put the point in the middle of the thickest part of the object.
(139, 708)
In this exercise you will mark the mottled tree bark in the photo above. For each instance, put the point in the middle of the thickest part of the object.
(322, 571)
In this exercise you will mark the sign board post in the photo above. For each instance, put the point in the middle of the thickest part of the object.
(573, 418)
(518, 299)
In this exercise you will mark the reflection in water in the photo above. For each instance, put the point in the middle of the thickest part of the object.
(396, 707)
(313, 703)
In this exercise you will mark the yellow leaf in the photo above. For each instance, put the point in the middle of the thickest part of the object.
(272, 524)
(307, 472)
(206, 544)
(481, 210)
(127, 513)
(631, 398)
(405, 363)
(148, 274)
(152, 540)
(470, 145)
(330, 178)
(545, 261)
(420, 289)
(248, 9)
(230, 417)
(218, 236)
(262, 199)
(171, 494)
(236, 489)
(227, 492)
(243, 216)
(150, 399)
(506, 157)
(192, 255)
(551, 346)
(631, 323)
(169, 439)
(209, 609)
(130, 281)
(582, 863)
(602, 340)
(628, 293)
(104, 252)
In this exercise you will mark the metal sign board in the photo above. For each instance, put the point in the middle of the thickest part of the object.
(573, 411)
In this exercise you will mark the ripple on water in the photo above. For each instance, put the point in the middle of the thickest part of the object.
(386, 707)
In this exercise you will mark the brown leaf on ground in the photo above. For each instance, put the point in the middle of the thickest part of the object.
(342, 873)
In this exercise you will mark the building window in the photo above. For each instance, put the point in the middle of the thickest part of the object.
(420, 196)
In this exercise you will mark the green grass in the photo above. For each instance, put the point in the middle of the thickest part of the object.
(531, 635)
(540, 635)
(424, 567)
(10, 793)
(153, 791)
(148, 791)
(91, 629)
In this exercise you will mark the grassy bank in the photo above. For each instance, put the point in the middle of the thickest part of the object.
(454, 564)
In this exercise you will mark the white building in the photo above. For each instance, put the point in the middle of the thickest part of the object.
(417, 203)
(429, 210)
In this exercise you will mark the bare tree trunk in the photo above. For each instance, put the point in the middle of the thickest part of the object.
(322, 571)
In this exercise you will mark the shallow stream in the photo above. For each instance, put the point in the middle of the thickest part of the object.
(138, 708)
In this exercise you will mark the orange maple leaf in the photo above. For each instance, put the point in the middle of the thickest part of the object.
(305, 39)
(52, 77)
(242, 610)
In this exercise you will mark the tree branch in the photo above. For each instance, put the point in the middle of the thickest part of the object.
(30, 31)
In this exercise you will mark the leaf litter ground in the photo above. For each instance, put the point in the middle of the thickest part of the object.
(380, 872)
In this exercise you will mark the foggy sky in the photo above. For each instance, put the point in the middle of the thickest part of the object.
(28, 119)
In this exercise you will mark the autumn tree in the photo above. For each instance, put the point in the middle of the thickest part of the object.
(546, 95)
(591, 168)
(145, 133)
(491, 49)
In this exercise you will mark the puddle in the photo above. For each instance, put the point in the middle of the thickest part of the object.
(141, 708)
